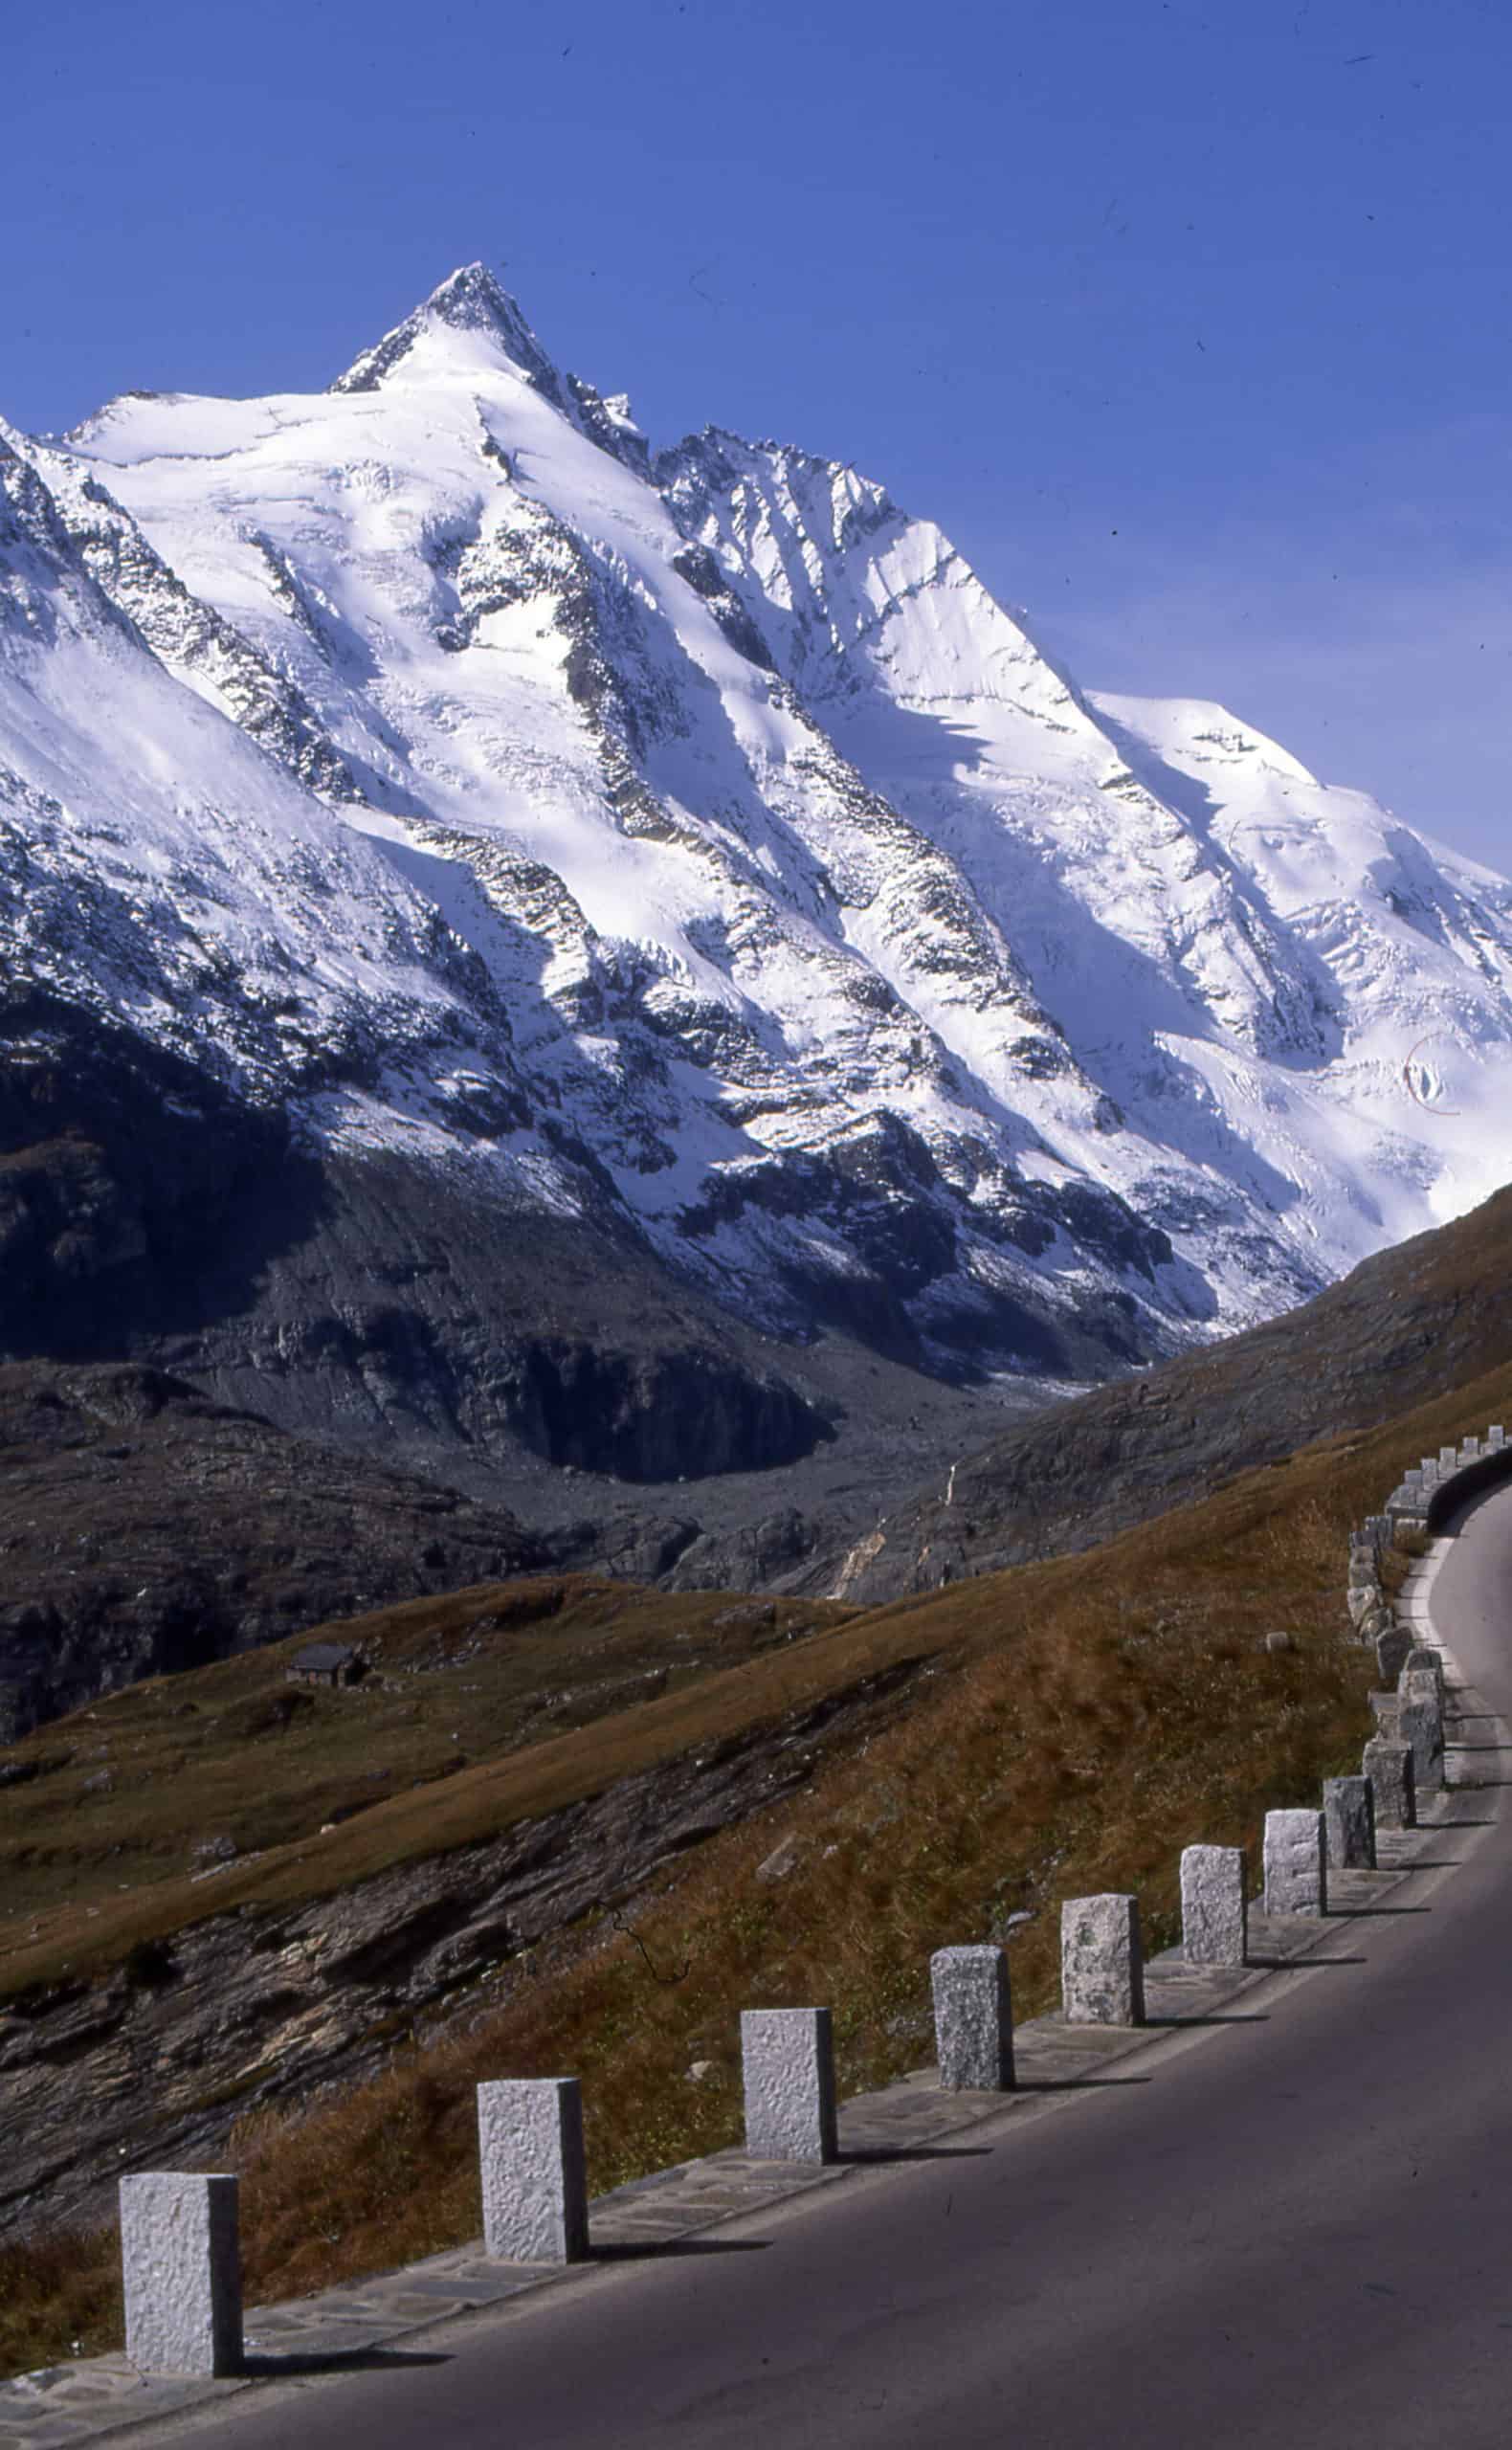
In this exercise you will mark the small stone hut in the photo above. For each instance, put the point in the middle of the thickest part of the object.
(331, 1664)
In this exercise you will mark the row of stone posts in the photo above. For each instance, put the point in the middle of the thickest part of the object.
(1101, 1960)
(179, 2233)
(1408, 1503)
(178, 2243)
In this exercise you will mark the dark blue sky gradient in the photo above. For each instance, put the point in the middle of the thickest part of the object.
(1192, 325)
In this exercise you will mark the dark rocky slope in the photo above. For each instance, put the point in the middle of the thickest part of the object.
(144, 1528)
(147, 1214)
(544, 1366)
(1405, 1328)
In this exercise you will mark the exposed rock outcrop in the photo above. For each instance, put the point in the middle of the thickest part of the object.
(249, 2008)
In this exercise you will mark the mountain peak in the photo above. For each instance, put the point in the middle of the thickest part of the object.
(730, 873)
(470, 301)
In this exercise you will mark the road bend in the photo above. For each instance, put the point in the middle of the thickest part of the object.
(1296, 2231)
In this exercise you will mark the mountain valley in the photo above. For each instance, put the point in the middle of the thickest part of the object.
(262, 1899)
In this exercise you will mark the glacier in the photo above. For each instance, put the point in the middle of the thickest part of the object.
(682, 849)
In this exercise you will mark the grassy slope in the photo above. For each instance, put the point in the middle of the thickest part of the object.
(90, 1871)
(1424, 1316)
(1088, 1718)
(469, 1722)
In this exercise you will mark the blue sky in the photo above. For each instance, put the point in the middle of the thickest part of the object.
(1192, 325)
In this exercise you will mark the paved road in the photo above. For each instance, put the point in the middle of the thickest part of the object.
(1296, 2231)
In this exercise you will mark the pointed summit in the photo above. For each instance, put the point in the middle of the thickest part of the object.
(469, 300)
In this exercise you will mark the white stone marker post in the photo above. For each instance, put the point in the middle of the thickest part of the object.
(530, 2159)
(181, 2267)
(973, 2019)
(1215, 1910)
(1350, 1822)
(1296, 1863)
(1420, 1725)
(1102, 1961)
(1389, 1767)
(788, 2063)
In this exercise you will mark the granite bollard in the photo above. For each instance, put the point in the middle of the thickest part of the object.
(1420, 1724)
(1102, 1961)
(181, 2270)
(973, 2019)
(1392, 1650)
(1389, 1767)
(1349, 1824)
(1422, 1660)
(788, 2063)
(1296, 1863)
(530, 2158)
(1214, 1908)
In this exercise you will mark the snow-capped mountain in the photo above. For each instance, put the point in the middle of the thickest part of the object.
(686, 848)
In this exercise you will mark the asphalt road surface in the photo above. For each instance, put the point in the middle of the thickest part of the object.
(1296, 2231)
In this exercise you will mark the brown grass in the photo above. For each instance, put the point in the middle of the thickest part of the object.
(1084, 1720)
(485, 1688)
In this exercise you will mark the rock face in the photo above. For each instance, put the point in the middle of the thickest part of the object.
(146, 1210)
(506, 924)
